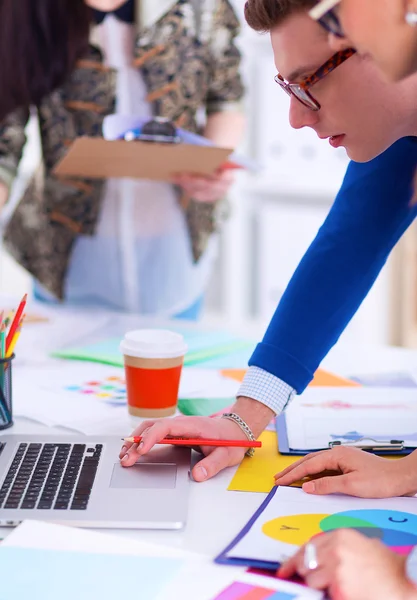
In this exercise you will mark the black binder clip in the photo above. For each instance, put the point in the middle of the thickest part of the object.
(158, 129)
(370, 444)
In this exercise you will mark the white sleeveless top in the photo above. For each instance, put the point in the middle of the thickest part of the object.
(140, 258)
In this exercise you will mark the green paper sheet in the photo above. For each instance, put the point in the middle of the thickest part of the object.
(203, 407)
(214, 349)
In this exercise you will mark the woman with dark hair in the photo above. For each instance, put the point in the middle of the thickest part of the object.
(40, 42)
(127, 244)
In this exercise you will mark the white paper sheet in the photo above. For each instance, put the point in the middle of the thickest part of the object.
(49, 536)
(45, 394)
(292, 517)
(323, 415)
(91, 397)
(206, 383)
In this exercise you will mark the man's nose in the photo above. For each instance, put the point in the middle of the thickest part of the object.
(301, 116)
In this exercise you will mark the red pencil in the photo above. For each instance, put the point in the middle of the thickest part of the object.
(16, 321)
(199, 442)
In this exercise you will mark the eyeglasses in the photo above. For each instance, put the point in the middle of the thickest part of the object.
(301, 90)
(325, 14)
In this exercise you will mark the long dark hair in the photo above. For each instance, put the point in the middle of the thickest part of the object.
(40, 42)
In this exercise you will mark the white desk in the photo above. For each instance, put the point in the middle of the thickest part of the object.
(215, 515)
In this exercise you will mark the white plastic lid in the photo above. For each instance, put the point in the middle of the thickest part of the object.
(153, 343)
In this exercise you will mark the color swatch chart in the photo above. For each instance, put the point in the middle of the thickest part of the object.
(110, 389)
(246, 591)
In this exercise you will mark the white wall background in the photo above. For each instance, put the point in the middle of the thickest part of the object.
(275, 213)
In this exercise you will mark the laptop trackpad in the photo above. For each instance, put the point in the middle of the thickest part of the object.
(144, 476)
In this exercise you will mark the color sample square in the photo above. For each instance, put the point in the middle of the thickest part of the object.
(245, 591)
(111, 389)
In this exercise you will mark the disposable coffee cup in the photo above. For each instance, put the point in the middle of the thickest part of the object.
(153, 360)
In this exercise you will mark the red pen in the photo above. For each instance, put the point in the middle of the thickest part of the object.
(15, 322)
(179, 441)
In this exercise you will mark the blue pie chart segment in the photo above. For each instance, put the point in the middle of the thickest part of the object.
(396, 529)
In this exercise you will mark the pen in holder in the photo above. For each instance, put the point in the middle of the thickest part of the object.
(6, 413)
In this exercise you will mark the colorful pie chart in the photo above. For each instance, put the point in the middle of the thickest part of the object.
(396, 529)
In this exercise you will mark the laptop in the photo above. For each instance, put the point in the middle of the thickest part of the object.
(78, 480)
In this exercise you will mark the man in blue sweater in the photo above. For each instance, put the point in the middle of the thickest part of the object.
(346, 100)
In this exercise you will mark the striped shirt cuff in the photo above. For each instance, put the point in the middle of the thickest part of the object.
(266, 388)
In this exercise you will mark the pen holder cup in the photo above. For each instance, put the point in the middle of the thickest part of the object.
(6, 412)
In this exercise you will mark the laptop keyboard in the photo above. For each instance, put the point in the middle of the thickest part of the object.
(51, 476)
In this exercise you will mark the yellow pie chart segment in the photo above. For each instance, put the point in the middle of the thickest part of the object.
(294, 529)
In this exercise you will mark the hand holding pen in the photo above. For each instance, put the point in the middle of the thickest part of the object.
(220, 432)
(184, 441)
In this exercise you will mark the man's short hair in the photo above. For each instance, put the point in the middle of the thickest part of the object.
(264, 15)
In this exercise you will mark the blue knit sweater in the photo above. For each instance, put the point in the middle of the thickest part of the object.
(370, 214)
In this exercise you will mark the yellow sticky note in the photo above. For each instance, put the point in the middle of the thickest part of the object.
(256, 474)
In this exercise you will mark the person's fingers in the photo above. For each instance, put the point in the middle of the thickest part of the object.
(222, 175)
(196, 427)
(205, 188)
(130, 456)
(337, 484)
(136, 432)
(296, 564)
(325, 461)
(205, 191)
(301, 461)
(186, 180)
(215, 462)
(193, 427)
(320, 578)
(351, 484)
(290, 567)
(335, 592)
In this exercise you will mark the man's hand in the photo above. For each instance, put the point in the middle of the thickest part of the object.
(352, 567)
(208, 188)
(356, 473)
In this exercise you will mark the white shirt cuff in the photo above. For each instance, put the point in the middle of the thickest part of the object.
(266, 388)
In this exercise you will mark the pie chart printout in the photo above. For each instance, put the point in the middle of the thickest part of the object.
(396, 529)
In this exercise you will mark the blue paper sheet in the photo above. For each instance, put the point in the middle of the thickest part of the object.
(52, 575)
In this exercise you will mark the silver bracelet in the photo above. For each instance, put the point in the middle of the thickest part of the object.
(244, 427)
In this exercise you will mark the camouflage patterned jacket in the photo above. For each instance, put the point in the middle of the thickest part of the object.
(182, 71)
